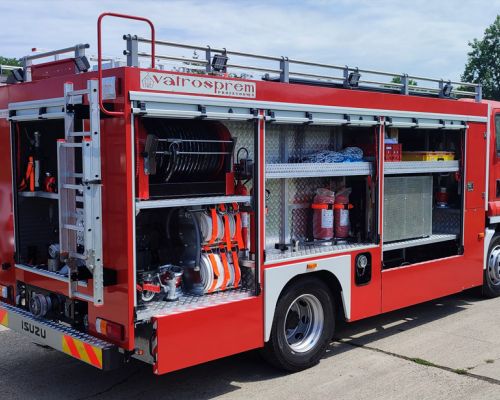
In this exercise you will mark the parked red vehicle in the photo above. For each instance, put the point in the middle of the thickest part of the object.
(165, 213)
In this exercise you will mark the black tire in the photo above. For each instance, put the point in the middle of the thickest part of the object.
(491, 279)
(277, 350)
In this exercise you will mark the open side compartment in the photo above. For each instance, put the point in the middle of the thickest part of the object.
(35, 177)
(193, 251)
(321, 189)
(195, 267)
(423, 196)
(36, 205)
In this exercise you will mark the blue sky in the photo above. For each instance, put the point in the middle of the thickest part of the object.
(418, 37)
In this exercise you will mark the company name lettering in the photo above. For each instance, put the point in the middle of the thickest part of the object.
(190, 84)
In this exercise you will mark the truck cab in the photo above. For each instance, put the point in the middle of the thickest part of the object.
(494, 164)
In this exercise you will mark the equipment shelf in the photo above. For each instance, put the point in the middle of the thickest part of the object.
(314, 170)
(45, 195)
(403, 244)
(274, 255)
(190, 201)
(420, 167)
(191, 302)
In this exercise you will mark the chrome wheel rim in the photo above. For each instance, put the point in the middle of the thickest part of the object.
(494, 266)
(304, 323)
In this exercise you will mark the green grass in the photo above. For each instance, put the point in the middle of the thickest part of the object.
(460, 371)
(423, 362)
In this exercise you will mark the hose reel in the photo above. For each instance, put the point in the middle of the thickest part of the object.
(177, 153)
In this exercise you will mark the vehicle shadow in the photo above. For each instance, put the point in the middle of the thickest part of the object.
(366, 331)
(39, 373)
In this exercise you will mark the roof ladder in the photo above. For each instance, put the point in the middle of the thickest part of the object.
(80, 202)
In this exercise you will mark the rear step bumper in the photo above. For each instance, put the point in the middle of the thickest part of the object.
(81, 346)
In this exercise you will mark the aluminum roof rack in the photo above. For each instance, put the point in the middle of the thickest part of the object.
(77, 51)
(284, 69)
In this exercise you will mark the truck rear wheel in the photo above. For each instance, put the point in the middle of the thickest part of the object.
(491, 281)
(303, 326)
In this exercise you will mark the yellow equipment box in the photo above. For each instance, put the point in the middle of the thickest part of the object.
(428, 155)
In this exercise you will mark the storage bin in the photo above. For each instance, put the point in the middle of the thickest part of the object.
(428, 156)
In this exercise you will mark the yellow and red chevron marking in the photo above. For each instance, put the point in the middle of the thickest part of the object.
(82, 351)
(4, 318)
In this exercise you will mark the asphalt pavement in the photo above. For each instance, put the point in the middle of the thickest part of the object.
(445, 349)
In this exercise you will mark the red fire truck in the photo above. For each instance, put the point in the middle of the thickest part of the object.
(181, 211)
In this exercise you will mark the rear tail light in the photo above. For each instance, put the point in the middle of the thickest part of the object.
(109, 329)
(4, 292)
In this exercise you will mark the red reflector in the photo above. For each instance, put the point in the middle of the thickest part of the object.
(109, 329)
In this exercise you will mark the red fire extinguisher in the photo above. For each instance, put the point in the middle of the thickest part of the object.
(322, 206)
(342, 207)
(241, 190)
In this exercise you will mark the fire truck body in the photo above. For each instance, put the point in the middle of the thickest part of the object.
(134, 243)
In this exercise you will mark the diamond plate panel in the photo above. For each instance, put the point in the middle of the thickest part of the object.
(273, 218)
(300, 196)
(301, 140)
(446, 220)
(242, 131)
(276, 255)
(191, 302)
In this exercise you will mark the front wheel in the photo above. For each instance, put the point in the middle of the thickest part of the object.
(303, 326)
(491, 281)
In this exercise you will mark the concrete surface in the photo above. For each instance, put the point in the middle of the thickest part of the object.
(446, 349)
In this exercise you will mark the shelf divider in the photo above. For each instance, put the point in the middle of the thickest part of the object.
(422, 167)
(403, 244)
(313, 170)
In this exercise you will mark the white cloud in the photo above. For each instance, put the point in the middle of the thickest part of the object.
(419, 37)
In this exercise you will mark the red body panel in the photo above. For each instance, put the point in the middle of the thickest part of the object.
(475, 169)
(417, 283)
(54, 68)
(197, 336)
(6, 215)
(116, 208)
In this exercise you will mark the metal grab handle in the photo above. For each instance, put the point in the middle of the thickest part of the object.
(99, 53)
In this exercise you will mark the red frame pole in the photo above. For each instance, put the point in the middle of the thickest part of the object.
(99, 53)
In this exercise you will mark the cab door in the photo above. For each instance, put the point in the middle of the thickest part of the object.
(494, 165)
(475, 166)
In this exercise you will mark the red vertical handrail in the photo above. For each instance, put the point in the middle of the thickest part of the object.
(99, 53)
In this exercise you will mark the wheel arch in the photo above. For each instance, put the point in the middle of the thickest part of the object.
(490, 233)
(335, 272)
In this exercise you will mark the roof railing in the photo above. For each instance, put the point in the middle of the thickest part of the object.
(5, 68)
(78, 51)
(289, 70)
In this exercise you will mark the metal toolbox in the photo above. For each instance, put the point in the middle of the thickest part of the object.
(407, 207)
